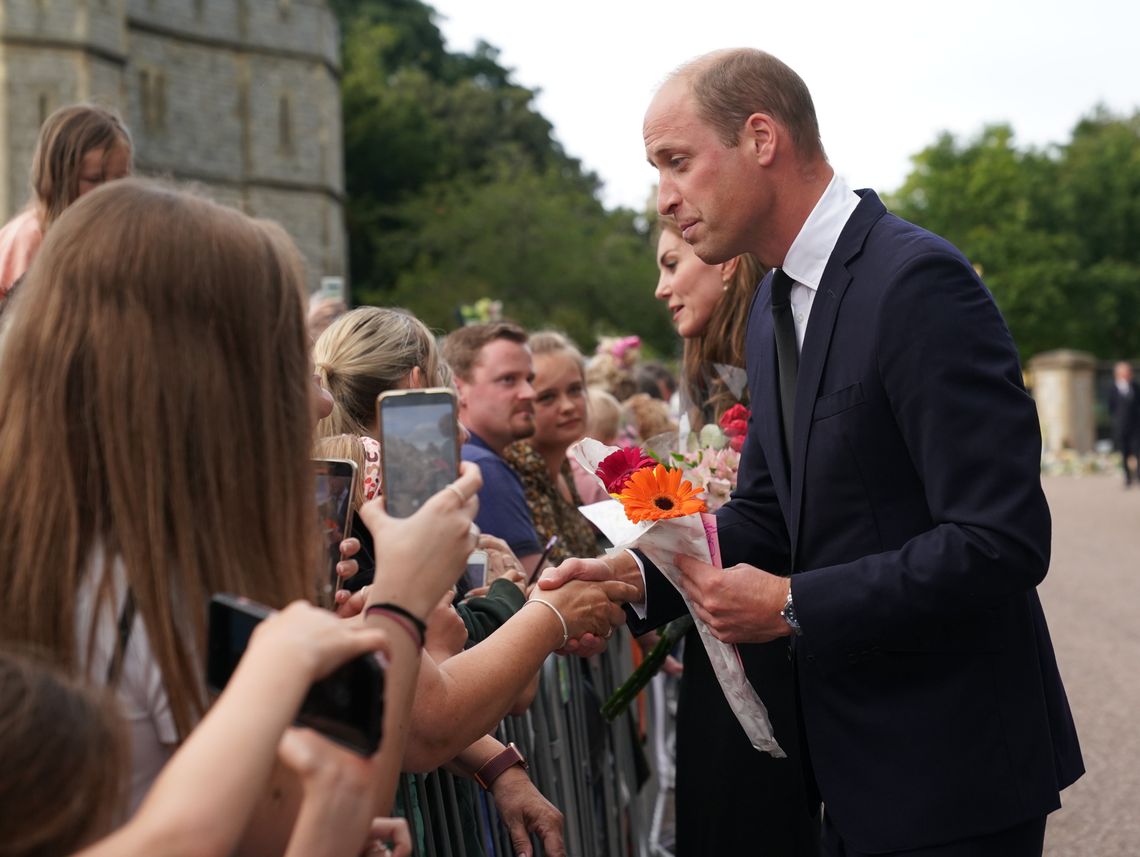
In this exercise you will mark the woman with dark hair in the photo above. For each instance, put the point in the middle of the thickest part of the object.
(710, 305)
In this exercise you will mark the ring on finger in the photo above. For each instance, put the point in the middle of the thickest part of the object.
(458, 493)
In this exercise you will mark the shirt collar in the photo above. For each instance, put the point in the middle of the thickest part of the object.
(808, 255)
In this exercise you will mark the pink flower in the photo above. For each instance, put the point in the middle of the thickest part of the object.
(616, 468)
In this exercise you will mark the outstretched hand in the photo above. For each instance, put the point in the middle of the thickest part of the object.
(523, 810)
(619, 566)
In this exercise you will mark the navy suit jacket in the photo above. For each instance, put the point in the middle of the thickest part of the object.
(913, 521)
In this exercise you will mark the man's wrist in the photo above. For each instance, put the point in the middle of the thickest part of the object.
(788, 613)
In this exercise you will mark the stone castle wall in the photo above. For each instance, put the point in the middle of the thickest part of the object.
(240, 97)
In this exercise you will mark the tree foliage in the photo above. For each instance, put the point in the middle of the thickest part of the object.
(1055, 231)
(458, 190)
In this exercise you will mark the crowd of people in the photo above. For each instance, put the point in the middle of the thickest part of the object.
(167, 385)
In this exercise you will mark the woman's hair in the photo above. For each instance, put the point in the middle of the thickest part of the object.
(366, 352)
(351, 448)
(64, 753)
(157, 410)
(703, 392)
(66, 137)
(552, 342)
(648, 415)
(603, 415)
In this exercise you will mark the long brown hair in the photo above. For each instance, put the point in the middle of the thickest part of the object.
(64, 753)
(705, 392)
(155, 375)
(66, 137)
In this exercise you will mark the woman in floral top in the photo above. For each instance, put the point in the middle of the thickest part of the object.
(560, 420)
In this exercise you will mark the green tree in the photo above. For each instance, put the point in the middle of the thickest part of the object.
(1050, 229)
(457, 190)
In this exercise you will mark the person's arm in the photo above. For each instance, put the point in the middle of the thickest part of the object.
(191, 809)
(466, 696)
(521, 806)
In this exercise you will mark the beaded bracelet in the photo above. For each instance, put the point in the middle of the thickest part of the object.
(414, 625)
(565, 628)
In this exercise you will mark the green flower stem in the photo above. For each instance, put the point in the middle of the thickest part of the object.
(632, 686)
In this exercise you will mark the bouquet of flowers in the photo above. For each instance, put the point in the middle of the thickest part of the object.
(654, 508)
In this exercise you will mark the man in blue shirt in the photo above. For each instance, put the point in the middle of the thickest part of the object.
(493, 373)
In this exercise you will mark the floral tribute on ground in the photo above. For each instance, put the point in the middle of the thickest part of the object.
(659, 511)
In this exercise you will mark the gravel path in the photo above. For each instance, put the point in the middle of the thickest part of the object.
(1092, 602)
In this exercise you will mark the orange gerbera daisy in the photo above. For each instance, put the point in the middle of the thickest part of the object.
(659, 493)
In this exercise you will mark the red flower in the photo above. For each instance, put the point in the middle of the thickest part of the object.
(617, 467)
(734, 422)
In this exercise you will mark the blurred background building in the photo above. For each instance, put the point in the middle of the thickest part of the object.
(241, 97)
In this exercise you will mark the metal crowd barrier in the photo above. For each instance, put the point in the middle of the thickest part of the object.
(583, 765)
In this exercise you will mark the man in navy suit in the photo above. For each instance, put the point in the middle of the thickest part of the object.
(891, 468)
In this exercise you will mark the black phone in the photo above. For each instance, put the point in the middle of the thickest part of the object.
(335, 488)
(419, 446)
(347, 705)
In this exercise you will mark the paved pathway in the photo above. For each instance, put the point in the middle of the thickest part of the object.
(1092, 602)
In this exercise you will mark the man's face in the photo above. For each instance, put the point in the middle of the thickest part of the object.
(498, 402)
(715, 194)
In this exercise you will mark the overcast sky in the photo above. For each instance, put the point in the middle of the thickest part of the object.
(886, 75)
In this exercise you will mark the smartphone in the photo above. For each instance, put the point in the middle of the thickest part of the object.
(419, 446)
(346, 706)
(476, 574)
(335, 488)
(332, 288)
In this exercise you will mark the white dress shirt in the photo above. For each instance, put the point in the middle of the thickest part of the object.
(808, 255)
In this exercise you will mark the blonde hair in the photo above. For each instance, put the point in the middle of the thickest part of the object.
(350, 447)
(157, 408)
(649, 415)
(365, 352)
(603, 415)
(66, 137)
(64, 752)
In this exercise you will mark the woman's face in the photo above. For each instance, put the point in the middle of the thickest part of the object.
(100, 166)
(691, 288)
(559, 401)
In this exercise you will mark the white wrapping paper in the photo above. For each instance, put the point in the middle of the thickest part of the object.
(692, 536)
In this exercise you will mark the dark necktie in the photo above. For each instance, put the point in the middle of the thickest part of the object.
(787, 355)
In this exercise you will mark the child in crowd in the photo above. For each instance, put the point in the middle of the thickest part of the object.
(79, 148)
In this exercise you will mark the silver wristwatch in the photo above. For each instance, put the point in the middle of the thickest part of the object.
(789, 614)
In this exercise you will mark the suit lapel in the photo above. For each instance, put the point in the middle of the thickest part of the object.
(817, 342)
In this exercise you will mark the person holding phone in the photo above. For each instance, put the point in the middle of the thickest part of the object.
(460, 699)
(80, 147)
(64, 809)
(144, 485)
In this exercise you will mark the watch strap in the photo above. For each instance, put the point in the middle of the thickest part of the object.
(491, 770)
(789, 614)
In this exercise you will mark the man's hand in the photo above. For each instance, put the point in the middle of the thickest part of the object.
(740, 604)
(620, 566)
(523, 808)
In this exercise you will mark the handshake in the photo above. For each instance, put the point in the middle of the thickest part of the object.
(588, 594)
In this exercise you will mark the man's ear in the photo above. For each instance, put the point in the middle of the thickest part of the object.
(461, 390)
(764, 135)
